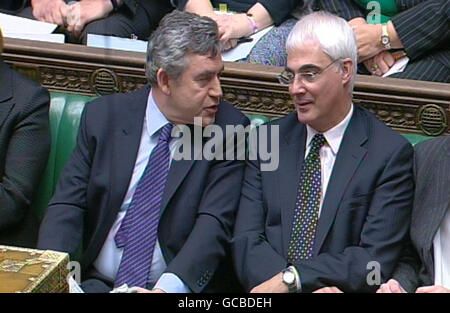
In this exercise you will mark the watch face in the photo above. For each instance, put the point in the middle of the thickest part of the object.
(385, 40)
(288, 277)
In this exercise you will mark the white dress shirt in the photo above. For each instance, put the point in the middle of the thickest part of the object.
(441, 244)
(329, 150)
(108, 261)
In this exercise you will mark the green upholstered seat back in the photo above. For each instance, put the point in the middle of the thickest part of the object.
(64, 114)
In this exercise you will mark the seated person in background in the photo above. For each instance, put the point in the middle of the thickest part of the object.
(426, 267)
(24, 148)
(143, 217)
(121, 18)
(419, 27)
(252, 16)
(341, 195)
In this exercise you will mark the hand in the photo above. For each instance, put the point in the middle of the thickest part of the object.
(391, 286)
(50, 11)
(273, 285)
(368, 40)
(356, 22)
(142, 290)
(380, 64)
(82, 13)
(433, 289)
(328, 290)
(232, 27)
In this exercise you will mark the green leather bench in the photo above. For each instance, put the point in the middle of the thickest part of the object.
(65, 113)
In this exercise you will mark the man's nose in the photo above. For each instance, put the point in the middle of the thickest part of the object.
(297, 86)
(216, 88)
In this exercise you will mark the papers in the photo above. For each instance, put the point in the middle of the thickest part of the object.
(241, 51)
(24, 28)
(20, 25)
(58, 38)
(109, 42)
(73, 286)
(398, 67)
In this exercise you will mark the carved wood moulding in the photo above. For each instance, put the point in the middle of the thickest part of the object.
(405, 105)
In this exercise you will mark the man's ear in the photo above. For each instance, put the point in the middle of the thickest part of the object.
(163, 81)
(347, 70)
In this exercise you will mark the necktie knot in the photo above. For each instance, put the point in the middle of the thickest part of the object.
(317, 142)
(166, 132)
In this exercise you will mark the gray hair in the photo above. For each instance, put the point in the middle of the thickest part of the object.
(334, 35)
(178, 35)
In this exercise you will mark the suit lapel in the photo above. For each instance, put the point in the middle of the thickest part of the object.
(179, 169)
(348, 159)
(291, 160)
(126, 146)
(6, 91)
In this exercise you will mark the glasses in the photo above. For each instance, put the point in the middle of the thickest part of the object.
(286, 77)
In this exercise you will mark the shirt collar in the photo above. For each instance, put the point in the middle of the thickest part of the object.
(155, 119)
(334, 135)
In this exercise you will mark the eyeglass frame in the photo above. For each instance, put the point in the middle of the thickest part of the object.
(284, 80)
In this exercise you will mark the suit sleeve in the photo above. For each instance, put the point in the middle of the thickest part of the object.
(347, 9)
(26, 158)
(207, 243)
(382, 237)
(255, 260)
(424, 27)
(62, 227)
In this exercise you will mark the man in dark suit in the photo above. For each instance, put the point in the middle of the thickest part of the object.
(425, 267)
(145, 220)
(121, 18)
(421, 28)
(24, 148)
(338, 205)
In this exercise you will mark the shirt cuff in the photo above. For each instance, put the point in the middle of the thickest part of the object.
(171, 283)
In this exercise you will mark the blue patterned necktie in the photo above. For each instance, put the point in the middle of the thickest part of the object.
(138, 232)
(306, 212)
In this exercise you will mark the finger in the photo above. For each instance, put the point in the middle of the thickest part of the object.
(384, 289)
(395, 286)
(336, 290)
(383, 67)
(426, 289)
(233, 42)
(57, 18)
(64, 11)
(388, 59)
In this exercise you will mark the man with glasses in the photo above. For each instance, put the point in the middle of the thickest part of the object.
(336, 212)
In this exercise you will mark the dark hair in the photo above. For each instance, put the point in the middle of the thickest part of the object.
(178, 35)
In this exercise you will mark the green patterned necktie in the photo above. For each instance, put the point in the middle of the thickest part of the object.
(306, 212)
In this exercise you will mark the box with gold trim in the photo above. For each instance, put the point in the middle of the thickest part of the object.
(32, 271)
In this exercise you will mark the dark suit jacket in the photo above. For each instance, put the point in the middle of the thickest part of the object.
(422, 25)
(199, 202)
(431, 203)
(365, 215)
(24, 148)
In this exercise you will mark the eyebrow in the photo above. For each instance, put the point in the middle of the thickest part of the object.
(303, 67)
(209, 73)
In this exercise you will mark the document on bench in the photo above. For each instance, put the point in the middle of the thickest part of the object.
(241, 51)
(24, 28)
(110, 42)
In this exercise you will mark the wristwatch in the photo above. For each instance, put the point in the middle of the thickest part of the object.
(385, 39)
(289, 279)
